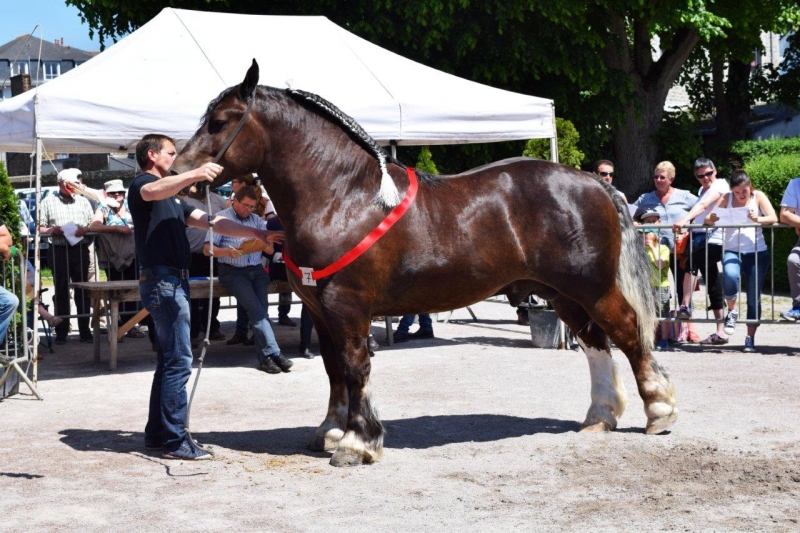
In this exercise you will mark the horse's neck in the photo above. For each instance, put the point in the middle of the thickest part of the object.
(304, 177)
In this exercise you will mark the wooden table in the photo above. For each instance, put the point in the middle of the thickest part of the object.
(111, 293)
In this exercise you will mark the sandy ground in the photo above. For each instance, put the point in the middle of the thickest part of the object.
(481, 434)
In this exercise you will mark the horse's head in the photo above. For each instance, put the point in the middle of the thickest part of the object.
(227, 128)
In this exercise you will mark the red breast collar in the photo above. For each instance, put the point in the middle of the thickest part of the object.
(309, 276)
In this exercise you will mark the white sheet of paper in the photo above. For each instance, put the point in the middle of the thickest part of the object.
(632, 209)
(734, 215)
(69, 230)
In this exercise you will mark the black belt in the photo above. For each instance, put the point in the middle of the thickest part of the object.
(148, 273)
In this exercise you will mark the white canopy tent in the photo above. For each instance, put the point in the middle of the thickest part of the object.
(162, 76)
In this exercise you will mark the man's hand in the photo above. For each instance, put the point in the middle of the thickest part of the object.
(123, 230)
(56, 230)
(207, 172)
(272, 236)
(80, 231)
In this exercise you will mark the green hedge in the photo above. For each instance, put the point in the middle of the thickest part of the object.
(771, 170)
(745, 151)
(568, 152)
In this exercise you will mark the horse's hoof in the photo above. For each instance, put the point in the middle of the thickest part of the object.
(599, 427)
(323, 444)
(661, 424)
(342, 458)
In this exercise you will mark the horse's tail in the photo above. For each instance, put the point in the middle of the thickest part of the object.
(634, 273)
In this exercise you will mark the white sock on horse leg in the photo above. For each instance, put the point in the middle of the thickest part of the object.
(609, 396)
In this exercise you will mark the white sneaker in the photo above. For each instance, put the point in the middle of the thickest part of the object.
(730, 323)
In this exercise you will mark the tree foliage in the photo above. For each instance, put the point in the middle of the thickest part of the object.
(568, 139)
(425, 161)
(595, 58)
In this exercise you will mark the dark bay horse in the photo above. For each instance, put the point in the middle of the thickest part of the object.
(513, 227)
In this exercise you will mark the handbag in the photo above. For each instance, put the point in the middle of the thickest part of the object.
(682, 248)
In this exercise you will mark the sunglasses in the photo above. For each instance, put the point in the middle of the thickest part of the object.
(703, 176)
(660, 177)
(604, 174)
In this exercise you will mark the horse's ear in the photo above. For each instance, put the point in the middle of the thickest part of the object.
(250, 81)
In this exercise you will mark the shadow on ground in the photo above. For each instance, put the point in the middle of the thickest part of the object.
(414, 433)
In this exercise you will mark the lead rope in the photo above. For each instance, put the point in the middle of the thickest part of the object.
(206, 342)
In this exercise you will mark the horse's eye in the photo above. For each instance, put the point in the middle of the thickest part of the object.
(215, 126)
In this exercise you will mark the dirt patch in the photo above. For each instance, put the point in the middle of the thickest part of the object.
(481, 433)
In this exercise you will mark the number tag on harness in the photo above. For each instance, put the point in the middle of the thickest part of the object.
(307, 279)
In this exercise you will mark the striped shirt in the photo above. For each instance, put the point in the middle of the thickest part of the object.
(223, 241)
(57, 211)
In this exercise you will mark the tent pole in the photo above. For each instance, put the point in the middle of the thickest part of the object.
(554, 138)
(37, 265)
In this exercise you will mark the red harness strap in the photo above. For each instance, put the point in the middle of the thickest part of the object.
(369, 240)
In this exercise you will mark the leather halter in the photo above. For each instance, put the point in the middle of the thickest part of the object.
(238, 128)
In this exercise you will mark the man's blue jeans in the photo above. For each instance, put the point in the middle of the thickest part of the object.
(167, 299)
(8, 304)
(425, 323)
(752, 280)
(249, 286)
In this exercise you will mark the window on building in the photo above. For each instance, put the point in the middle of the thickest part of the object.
(19, 67)
(52, 69)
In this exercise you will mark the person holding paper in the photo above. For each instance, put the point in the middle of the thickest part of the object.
(745, 257)
(66, 216)
(242, 274)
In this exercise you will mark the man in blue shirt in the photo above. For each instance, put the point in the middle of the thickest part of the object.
(243, 275)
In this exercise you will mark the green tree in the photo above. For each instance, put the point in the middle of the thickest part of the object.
(9, 210)
(425, 161)
(568, 152)
(595, 58)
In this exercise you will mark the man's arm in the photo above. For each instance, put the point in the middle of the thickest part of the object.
(169, 186)
(224, 226)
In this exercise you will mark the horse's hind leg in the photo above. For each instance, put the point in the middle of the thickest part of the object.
(615, 315)
(609, 396)
(331, 431)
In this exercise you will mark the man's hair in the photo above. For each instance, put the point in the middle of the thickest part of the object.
(597, 164)
(152, 141)
(246, 191)
(703, 162)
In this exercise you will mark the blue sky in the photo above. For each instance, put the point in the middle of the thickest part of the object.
(58, 20)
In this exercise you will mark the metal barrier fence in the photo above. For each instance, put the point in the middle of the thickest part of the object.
(698, 229)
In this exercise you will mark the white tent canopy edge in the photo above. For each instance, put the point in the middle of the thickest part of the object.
(161, 77)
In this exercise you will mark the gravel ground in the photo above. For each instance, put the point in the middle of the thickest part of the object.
(481, 433)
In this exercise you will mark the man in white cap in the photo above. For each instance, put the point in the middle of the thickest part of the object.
(70, 262)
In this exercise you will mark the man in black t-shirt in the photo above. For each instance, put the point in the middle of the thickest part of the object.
(162, 249)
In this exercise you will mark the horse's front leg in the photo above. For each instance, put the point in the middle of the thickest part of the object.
(362, 442)
(331, 431)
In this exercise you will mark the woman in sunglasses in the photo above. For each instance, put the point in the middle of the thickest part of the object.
(703, 240)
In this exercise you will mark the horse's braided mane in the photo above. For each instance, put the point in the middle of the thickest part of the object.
(345, 121)
(342, 119)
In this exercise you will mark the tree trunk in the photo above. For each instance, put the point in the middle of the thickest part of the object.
(733, 108)
(634, 147)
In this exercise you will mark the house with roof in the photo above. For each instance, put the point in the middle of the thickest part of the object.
(22, 56)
